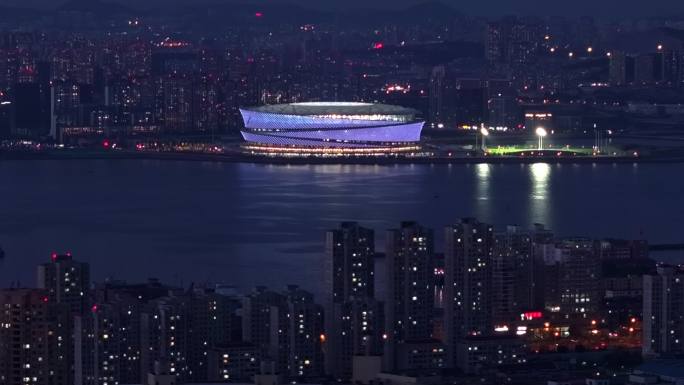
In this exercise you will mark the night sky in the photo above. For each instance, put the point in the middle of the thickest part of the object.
(617, 8)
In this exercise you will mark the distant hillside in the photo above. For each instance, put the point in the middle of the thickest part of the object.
(646, 41)
(675, 33)
(96, 7)
(434, 11)
(269, 12)
(431, 10)
(278, 12)
(15, 14)
(219, 12)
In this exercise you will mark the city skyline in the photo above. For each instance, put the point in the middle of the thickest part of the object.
(341, 193)
(215, 333)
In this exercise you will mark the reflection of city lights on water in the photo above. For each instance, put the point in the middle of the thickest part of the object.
(483, 205)
(540, 179)
(539, 195)
(482, 172)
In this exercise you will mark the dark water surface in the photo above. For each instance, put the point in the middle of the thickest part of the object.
(246, 224)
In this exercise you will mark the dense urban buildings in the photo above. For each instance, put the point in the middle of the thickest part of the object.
(493, 314)
(32, 337)
(142, 81)
(449, 301)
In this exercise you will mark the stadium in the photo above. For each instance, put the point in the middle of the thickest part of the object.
(330, 129)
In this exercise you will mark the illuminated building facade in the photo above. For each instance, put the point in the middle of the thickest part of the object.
(410, 253)
(354, 319)
(285, 327)
(349, 262)
(67, 281)
(578, 283)
(513, 277)
(354, 328)
(30, 338)
(100, 346)
(235, 362)
(429, 354)
(410, 297)
(478, 353)
(330, 128)
(467, 281)
(300, 329)
(259, 316)
(663, 312)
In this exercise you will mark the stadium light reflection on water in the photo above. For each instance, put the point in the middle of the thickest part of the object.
(540, 174)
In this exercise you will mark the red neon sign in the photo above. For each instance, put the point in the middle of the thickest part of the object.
(530, 315)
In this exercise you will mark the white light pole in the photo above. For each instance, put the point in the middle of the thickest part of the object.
(485, 134)
(541, 133)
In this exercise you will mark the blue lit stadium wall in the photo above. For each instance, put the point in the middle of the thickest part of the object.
(324, 131)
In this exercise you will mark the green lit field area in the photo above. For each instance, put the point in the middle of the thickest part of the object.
(521, 150)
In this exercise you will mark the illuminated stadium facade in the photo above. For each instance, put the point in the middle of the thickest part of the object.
(330, 129)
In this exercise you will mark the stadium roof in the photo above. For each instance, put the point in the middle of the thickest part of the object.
(328, 108)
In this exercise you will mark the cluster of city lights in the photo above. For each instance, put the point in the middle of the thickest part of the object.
(169, 43)
(397, 88)
(292, 151)
(590, 50)
(373, 117)
(481, 127)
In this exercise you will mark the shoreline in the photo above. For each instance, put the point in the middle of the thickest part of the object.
(240, 158)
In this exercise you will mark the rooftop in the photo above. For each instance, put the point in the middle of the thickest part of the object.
(339, 108)
(672, 368)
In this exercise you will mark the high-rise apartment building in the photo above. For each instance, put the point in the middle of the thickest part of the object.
(663, 312)
(350, 284)
(513, 275)
(469, 249)
(301, 328)
(260, 317)
(67, 281)
(354, 328)
(579, 271)
(411, 284)
(32, 337)
(349, 262)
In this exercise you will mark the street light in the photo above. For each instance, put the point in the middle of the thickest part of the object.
(541, 133)
(485, 133)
